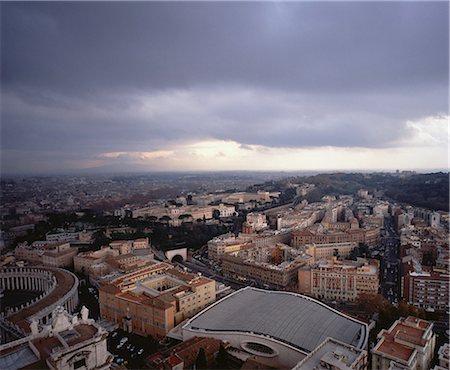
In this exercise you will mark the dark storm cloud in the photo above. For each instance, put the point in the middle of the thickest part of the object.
(103, 77)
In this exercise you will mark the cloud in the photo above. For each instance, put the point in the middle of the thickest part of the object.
(142, 156)
(104, 83)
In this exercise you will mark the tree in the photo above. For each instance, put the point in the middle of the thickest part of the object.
(200, 362)
(221, 359)
(164, 218)
(183, 216)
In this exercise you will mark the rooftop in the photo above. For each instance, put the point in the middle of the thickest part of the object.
(291, 318)
(334, 353)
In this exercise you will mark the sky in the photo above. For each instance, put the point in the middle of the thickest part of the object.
(181, 86)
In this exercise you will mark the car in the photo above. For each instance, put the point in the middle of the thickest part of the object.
(123, 340)
(129, 346)
(114, 334)
(140, 352)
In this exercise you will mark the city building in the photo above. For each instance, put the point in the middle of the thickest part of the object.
(281, 328)
(142, 243)
(66, 343)
(332, 354)
(409, 342)
(339, 217)
(443, 357)
(340, 280)
(243, 197)
(55, 254)
(226, 210)
(122, 246)
(83, 261)
(275, 265)
(254, 222)
(184, 354)
(151, 300)
(320, 235)
(62, 236)
(226, 243)
(325, 251)
(428, 290)
(60, 255)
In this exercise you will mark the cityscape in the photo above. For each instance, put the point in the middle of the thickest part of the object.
(224, 185)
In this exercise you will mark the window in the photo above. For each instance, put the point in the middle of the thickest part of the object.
(79, 364)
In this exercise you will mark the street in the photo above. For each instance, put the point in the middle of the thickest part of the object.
(390, 262)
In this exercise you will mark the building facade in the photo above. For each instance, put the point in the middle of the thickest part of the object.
(277, 265)
(152, 300)
(340, 280)
(325, 251)
(428, 290)
(409, 342)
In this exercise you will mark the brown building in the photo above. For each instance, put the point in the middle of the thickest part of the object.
(325, 251)
(428, 290)
(83, 261)
(49, 254)
(340, 280)
(184, 354)
(276, 265)
(408, 343)
(152, 300)
(368, 236)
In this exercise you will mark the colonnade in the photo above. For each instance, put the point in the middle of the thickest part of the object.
(42, 280)
(27, 279)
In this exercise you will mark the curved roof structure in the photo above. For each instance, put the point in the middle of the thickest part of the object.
(294, 319)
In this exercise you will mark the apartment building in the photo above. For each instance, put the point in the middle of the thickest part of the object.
(152, 300)
(83, 261)
(408, 343)
(428, 290)
(49, 254)
(326, 251)
(340, 280)
(368, 236)
(226, 243)
(443, 357)
(60, 256)
(275, 265)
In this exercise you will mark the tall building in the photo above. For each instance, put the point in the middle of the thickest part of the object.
(340, 280)
(409, 342)
(428, 290)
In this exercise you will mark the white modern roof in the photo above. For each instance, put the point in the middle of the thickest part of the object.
(294, 319)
